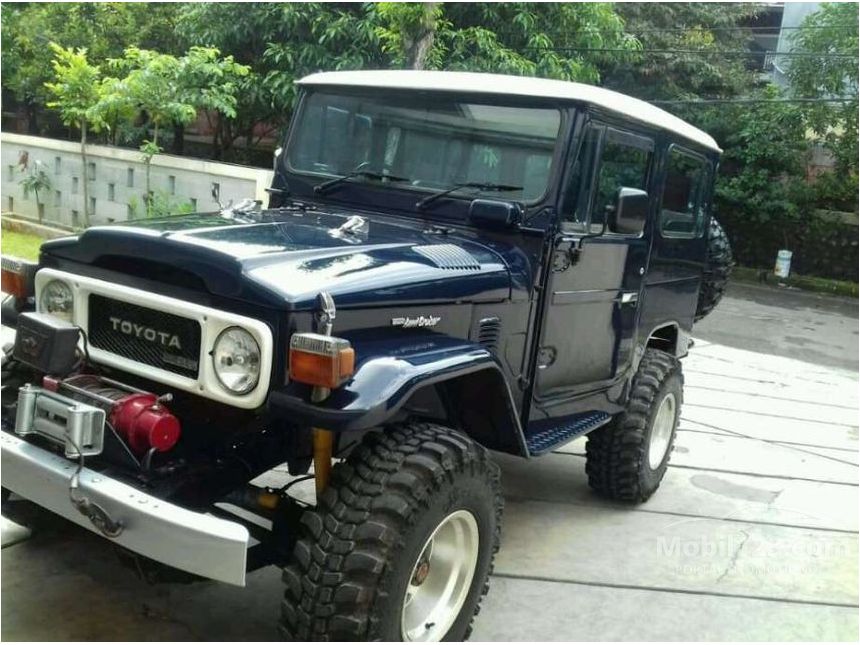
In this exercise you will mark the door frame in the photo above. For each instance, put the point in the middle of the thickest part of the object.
(556, 237)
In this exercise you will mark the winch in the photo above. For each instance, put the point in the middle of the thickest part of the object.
(139, 417)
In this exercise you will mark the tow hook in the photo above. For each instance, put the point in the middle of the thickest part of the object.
(97, 516)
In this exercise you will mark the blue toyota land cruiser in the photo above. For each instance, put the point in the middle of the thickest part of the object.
(450, 264)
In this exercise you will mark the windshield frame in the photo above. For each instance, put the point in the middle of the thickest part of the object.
(367, 193)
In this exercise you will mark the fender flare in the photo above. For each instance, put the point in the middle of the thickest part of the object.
(389, 372)
(669, 336)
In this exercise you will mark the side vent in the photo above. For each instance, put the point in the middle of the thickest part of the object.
(489, 333)
(448, 256)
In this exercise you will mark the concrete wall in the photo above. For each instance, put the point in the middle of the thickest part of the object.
(117, 181)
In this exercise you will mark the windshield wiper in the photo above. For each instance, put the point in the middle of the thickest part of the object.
(358, 172)
(500, 188)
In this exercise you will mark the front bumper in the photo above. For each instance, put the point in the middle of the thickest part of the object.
(194, 542)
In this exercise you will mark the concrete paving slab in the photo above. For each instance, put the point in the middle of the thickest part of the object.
(543, 540)
(734, 454)
(561, 478)
(728, 361)
(818, 413)
(552, 611)
(739, 454)
(80, 592)
(769, 389)
(770, 429)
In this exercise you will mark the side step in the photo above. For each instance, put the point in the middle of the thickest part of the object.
(569, 429)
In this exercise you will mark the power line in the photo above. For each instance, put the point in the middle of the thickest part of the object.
(620, 50)
(775, 28)
(702, 28)
(840, 99)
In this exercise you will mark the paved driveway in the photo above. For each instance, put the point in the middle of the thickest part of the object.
(753, 536)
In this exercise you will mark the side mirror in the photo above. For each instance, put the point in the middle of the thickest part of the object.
(496, 213)
(630, 212)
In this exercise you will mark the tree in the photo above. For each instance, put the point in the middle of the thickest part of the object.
(567, 41)
(281, 42)
(831, 33)
(284, 41)
(684, 51)
(36, 180)
(104, 29)
(408, 31)
(170, 90)
(76, 93)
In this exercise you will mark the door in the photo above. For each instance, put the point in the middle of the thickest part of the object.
(679, 249)
(592, 290)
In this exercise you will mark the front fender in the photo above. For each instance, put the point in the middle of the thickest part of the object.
(389, 372)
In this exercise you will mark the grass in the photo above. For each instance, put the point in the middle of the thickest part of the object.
(21, 245)
(806, 282)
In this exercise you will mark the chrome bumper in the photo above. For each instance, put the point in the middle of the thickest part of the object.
(195, 542)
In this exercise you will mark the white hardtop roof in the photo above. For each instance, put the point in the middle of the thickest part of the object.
(465, 82)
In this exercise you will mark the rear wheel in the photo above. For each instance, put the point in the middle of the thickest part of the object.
(627, 459)
(718, 268)
(401, 545)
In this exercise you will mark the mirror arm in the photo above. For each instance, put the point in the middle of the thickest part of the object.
(575, 250)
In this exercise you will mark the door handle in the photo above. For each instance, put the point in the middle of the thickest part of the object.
(629, 297)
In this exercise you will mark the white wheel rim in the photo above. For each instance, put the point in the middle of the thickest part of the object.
(441, 579)
(661, 433)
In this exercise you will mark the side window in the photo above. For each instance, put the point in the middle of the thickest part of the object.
(624, 163)
(682, 207)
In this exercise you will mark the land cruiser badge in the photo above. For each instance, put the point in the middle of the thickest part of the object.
(407, 322)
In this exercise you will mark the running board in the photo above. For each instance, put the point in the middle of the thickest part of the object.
(545, 440)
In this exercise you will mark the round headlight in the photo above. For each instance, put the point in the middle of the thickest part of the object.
(58, 300)
(236, 357)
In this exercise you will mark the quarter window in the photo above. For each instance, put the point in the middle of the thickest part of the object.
(682, 208)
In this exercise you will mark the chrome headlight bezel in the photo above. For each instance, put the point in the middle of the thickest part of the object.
(45, 306)
(233, 383)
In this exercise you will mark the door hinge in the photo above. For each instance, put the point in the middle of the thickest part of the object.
(546, 357)
(561, 261)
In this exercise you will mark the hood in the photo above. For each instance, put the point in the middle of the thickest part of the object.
(284, 258)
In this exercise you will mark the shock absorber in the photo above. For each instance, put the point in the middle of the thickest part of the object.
(139, 417)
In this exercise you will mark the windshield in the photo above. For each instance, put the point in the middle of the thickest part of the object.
(435, 141)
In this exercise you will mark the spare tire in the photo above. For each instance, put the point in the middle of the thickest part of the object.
(718, 268)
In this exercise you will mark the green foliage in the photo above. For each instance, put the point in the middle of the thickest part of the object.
(281, 42)
(284, 41)
(407, 32)
(35, 180)
(76, 91)
(835, 124)
(553, 40)
(159, 204)
(170, 90)
(684, 26)
(104, 29)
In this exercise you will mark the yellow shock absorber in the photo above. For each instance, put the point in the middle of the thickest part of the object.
(323, 444)
(323, 441)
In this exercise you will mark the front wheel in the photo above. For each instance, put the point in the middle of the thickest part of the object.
(402, 543)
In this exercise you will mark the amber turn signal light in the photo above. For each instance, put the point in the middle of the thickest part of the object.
(323, 361)
(18, 277)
